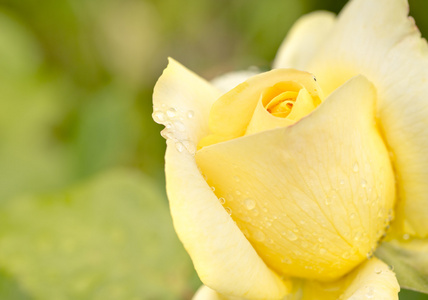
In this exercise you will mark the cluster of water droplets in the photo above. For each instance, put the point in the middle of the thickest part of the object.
(174, 120)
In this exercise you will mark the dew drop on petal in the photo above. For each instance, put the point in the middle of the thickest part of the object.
(171, 112)
(228, 210)
(355, 167)
(179, 125)
(259, 236)
(159, 116)
(290, 235)
(179, 146)
(249, 204)
(222, 200)
(190, 114)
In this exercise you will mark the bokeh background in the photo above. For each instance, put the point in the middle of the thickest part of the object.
(83, 211)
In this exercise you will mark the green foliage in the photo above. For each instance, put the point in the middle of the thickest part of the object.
(108, 238)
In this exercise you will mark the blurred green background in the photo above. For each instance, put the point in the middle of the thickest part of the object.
(83, 211)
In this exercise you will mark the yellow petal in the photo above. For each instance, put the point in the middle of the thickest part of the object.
(230, 80)
(304, 40)
(232, 112)
(182, 101)
(378, 40)
(205, 293)
(210, 236)
(223, 258)
(371, 280)
(313, 198)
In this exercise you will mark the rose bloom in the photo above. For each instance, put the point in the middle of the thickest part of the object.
(283, 184)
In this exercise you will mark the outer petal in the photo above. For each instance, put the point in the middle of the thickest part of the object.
(371, 280)
(182, 102)
(304, 40)
(228, 81)
(223, 258)
(205, 293)
(312, 197)
(377, 39)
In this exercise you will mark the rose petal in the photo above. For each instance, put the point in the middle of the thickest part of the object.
(313, 197)
(304, 40)
(209, 235)
(371, 280)
(182, 101)
(377, 39)
(223, 257)
(232, 112)
(205, 293)
(230, 80)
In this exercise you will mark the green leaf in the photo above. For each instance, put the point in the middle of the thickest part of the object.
(110, 238)
(409, 260)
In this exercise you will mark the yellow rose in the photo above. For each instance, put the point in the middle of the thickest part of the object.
(284, 184)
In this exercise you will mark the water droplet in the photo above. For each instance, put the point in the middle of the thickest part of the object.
(179, 146)
(179, 126)
(378, 270)
(342, 182)
(363, 183)
(286, 260)
(212, 188)
(321, 239)
(370, 293)
(323, 251)
(228, 210)
(249, 204)
(406, 236)
(190, 114)
(355, 167)
(291, 235)
(358, 235)
(327, 201)
(171, 112)
(167, 134)
(159, 116)
(259, 236)
(222, 200)
(352, 215)
(346, 255)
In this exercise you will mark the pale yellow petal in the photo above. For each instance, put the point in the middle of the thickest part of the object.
(205, 293)
(304, 40)
(371, 280)
(230, 80)
(182, 101)
(377, 39)
(223, 257)
(313, 198)
(210, 236)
